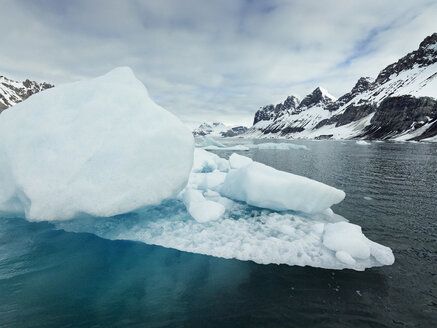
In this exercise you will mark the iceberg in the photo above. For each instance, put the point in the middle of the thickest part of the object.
(91, 147)
(362, 143)
(100, 156)
(249, 211)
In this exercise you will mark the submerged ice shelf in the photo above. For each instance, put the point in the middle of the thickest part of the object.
(236, 230)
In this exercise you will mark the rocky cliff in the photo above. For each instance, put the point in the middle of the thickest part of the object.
(399, 104)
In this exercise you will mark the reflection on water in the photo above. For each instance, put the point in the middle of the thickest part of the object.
(52, 278)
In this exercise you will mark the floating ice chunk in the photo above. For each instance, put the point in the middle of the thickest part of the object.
(368, 198)
(100, 147)
(237, 147)
(280, 146)
(263, 186)
(346, 237)
(209, 141)
(205, 181)
(205, 161)
(200, 209)
(362, 143)
(381, 253)
(345, 257)
(236, 161)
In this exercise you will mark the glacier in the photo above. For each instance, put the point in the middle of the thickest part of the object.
(91, 147)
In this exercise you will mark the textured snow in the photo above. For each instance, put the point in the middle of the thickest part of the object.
(327, 94)
(100, 147)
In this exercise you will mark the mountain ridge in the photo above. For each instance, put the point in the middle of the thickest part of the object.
(405, 90)
(12, 92)
(218, 129)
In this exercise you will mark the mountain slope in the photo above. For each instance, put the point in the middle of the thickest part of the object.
(218, 129)
(400, 103)
(13, 92)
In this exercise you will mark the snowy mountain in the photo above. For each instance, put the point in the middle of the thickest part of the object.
(13, 92)
(217, 129)
(401, 103)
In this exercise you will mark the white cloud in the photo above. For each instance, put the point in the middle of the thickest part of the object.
(213, 60)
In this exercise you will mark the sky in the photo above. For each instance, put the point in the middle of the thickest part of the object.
(211, 60)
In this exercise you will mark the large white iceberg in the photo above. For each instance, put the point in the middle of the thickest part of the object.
(93, 147)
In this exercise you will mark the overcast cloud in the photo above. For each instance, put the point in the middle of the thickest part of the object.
(210, 60)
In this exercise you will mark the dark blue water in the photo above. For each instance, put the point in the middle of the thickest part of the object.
(52, 278)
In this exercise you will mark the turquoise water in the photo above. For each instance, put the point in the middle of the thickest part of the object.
(54, 278)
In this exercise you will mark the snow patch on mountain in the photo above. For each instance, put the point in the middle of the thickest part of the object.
(218, 129)
(12, 92)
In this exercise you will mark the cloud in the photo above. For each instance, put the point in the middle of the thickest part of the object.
(213, 60)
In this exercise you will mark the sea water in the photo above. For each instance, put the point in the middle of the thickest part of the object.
(50, 277)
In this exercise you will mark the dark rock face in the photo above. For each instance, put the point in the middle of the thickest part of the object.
(423, 56)
(270, 112)
(292, 106)
(314, 98)
(363, 84)
(265, 113)
(399, 114)
(13, 92)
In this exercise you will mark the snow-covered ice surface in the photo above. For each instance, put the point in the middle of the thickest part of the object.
(91, 147)
(233, 229)
(263, 186)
